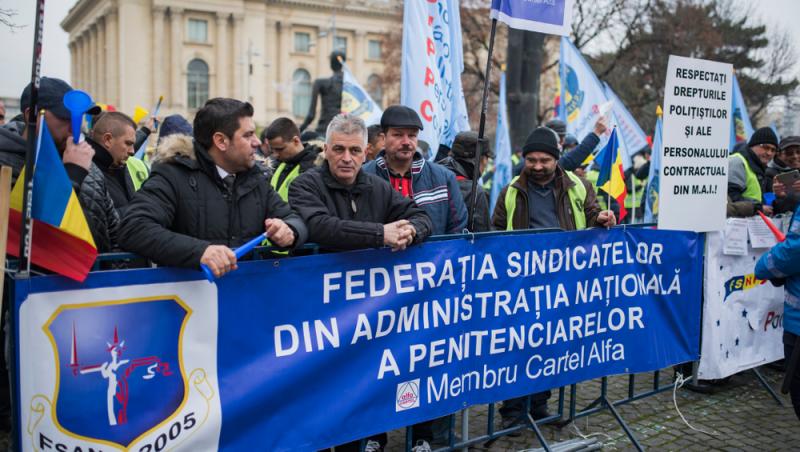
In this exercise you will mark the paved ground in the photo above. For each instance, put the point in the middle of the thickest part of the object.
(739, 416)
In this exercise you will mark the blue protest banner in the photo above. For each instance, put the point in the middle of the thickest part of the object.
(552, 17)
(306, 353)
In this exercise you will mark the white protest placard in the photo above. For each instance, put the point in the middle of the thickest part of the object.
(735, 243)
(694, 165)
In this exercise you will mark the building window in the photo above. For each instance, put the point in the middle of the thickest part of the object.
(197, 83)
(302, 42)
(198, 30)
(374, 50)
(375, 89)
(301, 92)
(340, 43)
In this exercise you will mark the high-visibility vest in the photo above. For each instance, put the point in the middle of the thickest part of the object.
(752, 189)
(283, 190)
(576, 194)
(638, 188)
(138, 171)
(592, 176)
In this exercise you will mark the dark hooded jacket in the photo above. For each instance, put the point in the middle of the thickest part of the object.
(90, 186)
(12, 147)
(348, 218)
(464, 179)
(118, 180)
(185, 206)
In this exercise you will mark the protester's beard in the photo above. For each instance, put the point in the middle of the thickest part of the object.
(540, 177)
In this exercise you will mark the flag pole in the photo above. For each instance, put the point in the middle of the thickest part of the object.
(23, 270)
(476, 172)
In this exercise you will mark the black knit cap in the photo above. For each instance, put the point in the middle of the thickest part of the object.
(542, 139)
(764, 135)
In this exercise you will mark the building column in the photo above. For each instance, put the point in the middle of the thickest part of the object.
(271, 54)
(112, 57)
(84, 60)
(359, 56)
(239, 48)
(176, 46)
(159, 14)
(72, 57)
(102, 80)
(283, 49)
(93, 83)
(222, 68)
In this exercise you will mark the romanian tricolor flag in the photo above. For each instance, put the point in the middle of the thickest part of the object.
(61, 240)
(612, 178)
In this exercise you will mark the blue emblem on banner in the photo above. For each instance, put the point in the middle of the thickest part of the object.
(119, 368)
(574, 94)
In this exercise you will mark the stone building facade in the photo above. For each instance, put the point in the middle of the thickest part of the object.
(128, 52)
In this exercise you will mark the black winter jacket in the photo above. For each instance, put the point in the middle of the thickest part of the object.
(464, 179)
(97, 205)
(184, 207)
(118, 180)
(349, 218)
(12, 148)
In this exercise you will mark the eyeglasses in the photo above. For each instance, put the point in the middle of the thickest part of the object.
(769, 147)
(792, 151)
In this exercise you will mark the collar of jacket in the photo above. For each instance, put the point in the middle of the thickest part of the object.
(755, 164)
(455, 166)
(417, 163)
(362, 183)
(102, 158)
(778, 164)
(561, 181)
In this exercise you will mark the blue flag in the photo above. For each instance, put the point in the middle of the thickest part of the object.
(741, 128)
(357, 101)
(432, 64)
(502, 147)
(651, 192)
(631, 134)
(552, 17)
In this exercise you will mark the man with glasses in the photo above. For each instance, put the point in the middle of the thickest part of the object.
(747, 169)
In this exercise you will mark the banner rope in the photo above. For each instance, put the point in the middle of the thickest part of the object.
(679, 382)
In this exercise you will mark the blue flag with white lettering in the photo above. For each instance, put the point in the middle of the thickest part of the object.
(502, 147)
(552, 17)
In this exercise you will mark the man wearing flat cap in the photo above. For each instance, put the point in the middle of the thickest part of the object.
(462, 163)
(747, 169)
(544, 196)
(430, 185)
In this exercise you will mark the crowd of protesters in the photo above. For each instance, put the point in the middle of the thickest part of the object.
(208, 186)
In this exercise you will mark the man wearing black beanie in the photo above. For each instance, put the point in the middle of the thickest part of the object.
(747, 169)
(544, 196)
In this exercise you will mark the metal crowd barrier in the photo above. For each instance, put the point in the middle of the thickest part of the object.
(564, 414)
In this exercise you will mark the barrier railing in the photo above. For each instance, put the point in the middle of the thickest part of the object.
(564, 415)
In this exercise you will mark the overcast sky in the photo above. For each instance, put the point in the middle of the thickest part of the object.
(15, 54)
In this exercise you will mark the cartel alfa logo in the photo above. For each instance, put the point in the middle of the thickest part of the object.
(355, 102)
(119, 369)
(407, 395)
(741, 283)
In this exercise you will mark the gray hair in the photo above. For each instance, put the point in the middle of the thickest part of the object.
(346, 124)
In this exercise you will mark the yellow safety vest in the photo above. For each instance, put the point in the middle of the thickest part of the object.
(752, 189)
(592, 176)
(138, 171)
(577, 196)
(283, 190)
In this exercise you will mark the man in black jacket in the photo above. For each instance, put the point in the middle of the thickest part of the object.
(462, 163)
(112, 138)
(293, 158)
(346, 208)
(206, 196)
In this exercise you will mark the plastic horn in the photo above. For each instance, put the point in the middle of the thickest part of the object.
(77, 102)
(779, 236)
(239, 252)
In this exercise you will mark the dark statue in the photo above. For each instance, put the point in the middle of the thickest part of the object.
(330, 90)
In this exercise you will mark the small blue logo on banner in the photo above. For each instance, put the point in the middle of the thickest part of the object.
(119, 367)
